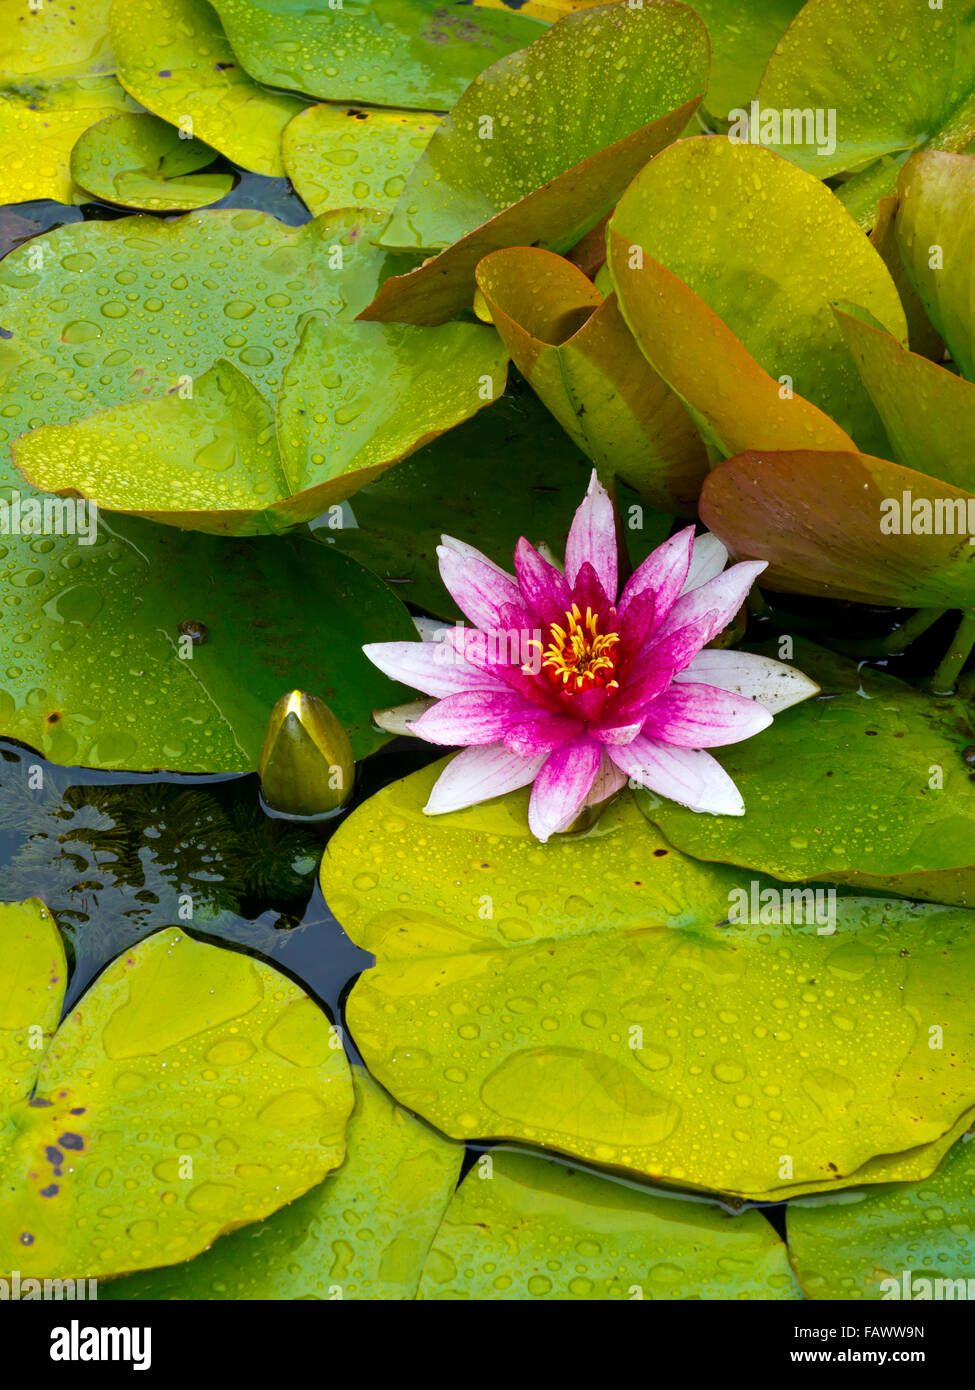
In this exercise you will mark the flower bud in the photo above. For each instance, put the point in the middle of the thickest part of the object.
(307, 767)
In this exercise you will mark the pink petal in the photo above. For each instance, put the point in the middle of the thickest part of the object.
(433, 667)
(592, 538)
(713, 605)
(475, 716)
(476, 584)
(477, 774)
(561, 787)
(541, 734)
(485, 650)
(701, 716)
(708, 559)
(544, 588)
(688, 776)
(773, 684)
(662, 574)
(609, 779)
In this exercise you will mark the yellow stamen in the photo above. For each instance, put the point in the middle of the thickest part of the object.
(578, 652)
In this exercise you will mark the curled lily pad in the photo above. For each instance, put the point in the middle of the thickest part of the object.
(907, 831)
(39, 125)
(509, 472)
(419, 53)
(99, 313)
(213, 632)
(179, 65)
(923, 336)
(891, 76)
(845, 525)
(575, 350)
(341, 157)
(935, 225)
(528, 1228)
(590, 995)
(768, 249)
(230, 1076)
(356, 398)
(33, 975)
(59, 39)
(928, 411)
(908, 1241)
(477, 184)
(361, 1234)
(141, 162)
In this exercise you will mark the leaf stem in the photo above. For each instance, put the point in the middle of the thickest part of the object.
(902, 637)
(945, 678)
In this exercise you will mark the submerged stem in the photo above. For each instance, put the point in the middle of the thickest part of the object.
(902, 637)
(945, 678)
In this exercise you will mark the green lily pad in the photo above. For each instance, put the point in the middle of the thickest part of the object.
(356, 398)
(535, 1229)
(768, 249)
(341, 157)
(509, 472)
(100, 313)
(584, 996)
(193, 1090)
(141, 162)
(155, 648)
(897, 74)
(60, 39)
(845, 824)
(928, 412)
(178, 64)
(892, 1243)
(39, 125)
(418, 53)
(844, 525)
(361, 1234)
(33, 974)
(478, 186)
(922, 335)
(934, 225)
(575, 350)
(742, 38)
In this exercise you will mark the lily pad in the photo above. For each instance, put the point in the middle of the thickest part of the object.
(509, 472)
(909, 1241)
(928, 412)
(742, 38)
(141, 162)
(479, 186)
(356, 398)
(575, 350)
(177, 62)
(591, 996)
(60, 39)
(157, 648)
(935, 224)
(194, 1090)
(768, 249)
(896, 74)
(342, 157)
(419, 53)
(844, 525)
(532, 1229)
(33, 974)
(39, 125)
(361, 1234)
(907, 830)
(922, 334)
(100, 313)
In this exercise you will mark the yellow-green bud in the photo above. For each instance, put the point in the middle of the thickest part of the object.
(307, 767)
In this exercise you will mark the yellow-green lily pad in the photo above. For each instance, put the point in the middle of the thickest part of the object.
(363, 1233)
(141, 162)
(526, 1228)
(907, 1241)
(57, 39)
(191, 1091)
(177, 62)
(342, 157)
(592, 996)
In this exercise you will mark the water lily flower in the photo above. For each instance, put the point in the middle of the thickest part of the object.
(565, 682)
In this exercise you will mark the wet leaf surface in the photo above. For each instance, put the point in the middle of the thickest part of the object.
(141, 162)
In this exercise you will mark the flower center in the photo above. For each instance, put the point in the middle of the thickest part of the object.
(578, 656)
